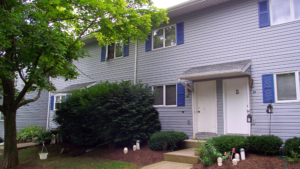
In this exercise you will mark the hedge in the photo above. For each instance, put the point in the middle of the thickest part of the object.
(166, 139)
(266, 144)
(225, 143)
(292, 144)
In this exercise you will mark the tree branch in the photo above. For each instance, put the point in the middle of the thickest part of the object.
(82, 33)
(30, 100)
(19, 70)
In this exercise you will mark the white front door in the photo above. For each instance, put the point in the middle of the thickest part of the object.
(236, 106)
(206, 111)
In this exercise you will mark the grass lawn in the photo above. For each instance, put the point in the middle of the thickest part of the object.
(1, 145)
(29, 159)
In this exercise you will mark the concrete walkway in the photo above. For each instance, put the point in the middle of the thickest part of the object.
(19, 146)
(168, 165)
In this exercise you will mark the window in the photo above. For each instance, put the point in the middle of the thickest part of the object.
(284, 11)
(286, 87)
(115, 50)
(164, 37)
(58, 100)
(1, 116)
(165, 95)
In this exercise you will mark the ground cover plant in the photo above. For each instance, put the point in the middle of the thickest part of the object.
(109, 113)
(166, 140)
(265, 144)
(209, 154)
(28, 132)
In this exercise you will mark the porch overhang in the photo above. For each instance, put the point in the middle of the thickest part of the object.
(74, 87)
(237, 68)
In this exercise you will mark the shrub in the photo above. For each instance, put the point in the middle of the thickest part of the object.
(109, 113)
(43, 135)
(210, 154)
(166, 140)
(266, 144)
(1, 140)
(292, 144)
(27, 132)
(226, 143)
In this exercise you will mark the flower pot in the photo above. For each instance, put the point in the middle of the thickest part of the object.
(197, 153)
(43, 156)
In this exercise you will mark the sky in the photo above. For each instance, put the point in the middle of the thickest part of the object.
(166, 3)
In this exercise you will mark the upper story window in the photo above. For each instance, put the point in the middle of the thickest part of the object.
(282, 11)
(115, 50)
(59, 100)
(164, 37)
(286, 86)
(165, 95)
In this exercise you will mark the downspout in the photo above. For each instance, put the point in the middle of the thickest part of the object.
(48, 108)
(135, 62)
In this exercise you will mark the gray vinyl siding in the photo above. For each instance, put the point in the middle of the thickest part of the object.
(222, 33)
(34, 113)
(225, 33)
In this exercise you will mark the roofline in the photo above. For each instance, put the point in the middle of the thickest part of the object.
(183, 4)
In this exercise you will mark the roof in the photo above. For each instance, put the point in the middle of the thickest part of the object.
(77, 87)
(217, 70)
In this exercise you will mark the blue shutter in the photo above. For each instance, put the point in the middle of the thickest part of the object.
(103, 53)
(126, 49)
(51, 102)
(67, 96)
(263, 13)
(180, 33)
(148, 44)
(268, 88)
(180, 95)
(150, 88)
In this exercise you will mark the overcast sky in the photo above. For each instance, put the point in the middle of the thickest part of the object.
(166, 3)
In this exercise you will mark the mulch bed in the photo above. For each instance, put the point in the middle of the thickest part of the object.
(141, 157)
(253, 161)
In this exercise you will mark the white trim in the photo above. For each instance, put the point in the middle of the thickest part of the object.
(210, 73)
(164, 95)
(164, 38)
(224, 107)
(249, 105)
(296, 83)
(292, 7)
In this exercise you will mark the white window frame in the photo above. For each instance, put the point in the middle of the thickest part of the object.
(62, 94)
(292, 13)
(297, 87)
(106, 53)
(164, 40)
(0, 116)
(164, 95)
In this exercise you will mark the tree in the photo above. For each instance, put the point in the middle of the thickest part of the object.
(40, 38)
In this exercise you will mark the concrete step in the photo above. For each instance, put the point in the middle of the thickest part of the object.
(191, 143)
(168, 165)
(182, 156)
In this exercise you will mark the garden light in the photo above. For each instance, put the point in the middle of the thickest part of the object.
(134, 147)
(219, 160)
(243, 156)
(137, 144)
(234, 162)
(237, 156)
(125, 150)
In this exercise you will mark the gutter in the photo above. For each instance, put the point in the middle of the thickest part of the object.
(135, 63)
(48, 108)
(184, 4)
(185, 85)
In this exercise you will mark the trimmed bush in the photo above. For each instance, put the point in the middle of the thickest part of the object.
(292, 144)
(1, 140)
(166, 140)
(266, 144)
(116, 114)
(226, 143)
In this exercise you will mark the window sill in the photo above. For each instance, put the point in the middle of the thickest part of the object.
(164, 106)
(284, 22)
(163, 47)
(287, 101)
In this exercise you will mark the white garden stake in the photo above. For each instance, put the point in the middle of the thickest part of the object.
(53, 140)
(125, 150)
(137, 144)
(234, 162)
(43, 156)
(134, 147)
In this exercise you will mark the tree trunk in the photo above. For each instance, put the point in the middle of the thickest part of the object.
(10, 140)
